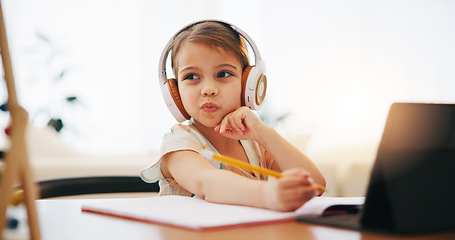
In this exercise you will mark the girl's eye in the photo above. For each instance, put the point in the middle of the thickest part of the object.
(191, 77)
(224, 74)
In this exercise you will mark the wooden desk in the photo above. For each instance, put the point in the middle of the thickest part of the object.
(63, 219)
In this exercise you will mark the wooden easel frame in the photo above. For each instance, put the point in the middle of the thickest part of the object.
(16, 160)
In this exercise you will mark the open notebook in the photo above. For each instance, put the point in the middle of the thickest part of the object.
(198, 214)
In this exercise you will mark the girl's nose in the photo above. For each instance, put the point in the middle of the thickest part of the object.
(209, 89)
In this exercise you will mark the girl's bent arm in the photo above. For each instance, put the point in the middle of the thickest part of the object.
(244, 124)
(286, 155)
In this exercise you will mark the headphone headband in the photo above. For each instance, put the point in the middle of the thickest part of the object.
(254, 101)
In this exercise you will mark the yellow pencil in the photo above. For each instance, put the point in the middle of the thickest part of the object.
(246, 166)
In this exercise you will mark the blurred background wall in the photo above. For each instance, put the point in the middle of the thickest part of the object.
(334, 67)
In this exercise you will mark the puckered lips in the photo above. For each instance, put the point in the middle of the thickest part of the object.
(209, 107)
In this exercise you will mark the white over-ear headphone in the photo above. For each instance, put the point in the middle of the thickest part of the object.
(254, 80)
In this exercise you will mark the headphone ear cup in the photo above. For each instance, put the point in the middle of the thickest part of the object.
(245, 75)
(174, 91)
(254, 86)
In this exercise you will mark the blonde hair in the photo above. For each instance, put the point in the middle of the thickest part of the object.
(214, 34)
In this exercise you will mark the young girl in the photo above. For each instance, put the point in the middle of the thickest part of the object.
(208, 59)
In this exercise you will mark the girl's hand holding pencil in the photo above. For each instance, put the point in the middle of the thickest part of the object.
(289, 192)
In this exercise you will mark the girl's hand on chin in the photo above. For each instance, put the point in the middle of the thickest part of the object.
(240, 124)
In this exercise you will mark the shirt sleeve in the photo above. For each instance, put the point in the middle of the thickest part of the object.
(180, 138)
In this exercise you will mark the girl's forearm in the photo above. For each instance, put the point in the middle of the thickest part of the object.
(226, 187)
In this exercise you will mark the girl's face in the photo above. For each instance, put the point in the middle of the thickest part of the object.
(209, 82)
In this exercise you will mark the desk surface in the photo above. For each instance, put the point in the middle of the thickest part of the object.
(63, 219)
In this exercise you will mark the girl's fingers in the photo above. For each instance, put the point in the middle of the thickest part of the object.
(236, 124)
(297, 186)
(240, 124)
(300, 194)
(231, 124)
(291, 199)
(223, 125)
